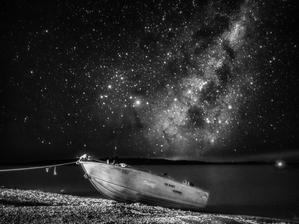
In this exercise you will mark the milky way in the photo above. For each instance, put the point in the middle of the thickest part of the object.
(158, 79)
(197, 104)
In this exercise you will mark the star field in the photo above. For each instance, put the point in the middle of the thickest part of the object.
(157, 79)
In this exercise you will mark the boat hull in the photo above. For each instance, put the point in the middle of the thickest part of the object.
(132, 185)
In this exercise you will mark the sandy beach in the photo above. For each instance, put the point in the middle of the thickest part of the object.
(33, 206)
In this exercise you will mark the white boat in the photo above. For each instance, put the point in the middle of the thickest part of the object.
(124, 183)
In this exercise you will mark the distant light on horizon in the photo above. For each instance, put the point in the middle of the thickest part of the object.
(280, 164)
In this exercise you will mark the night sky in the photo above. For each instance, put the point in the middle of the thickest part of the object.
(167, 79)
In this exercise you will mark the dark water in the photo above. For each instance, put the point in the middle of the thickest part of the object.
(260, 190)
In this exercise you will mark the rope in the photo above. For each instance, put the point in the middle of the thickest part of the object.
(36, 167)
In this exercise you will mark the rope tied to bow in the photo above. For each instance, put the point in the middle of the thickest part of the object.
(47, 167)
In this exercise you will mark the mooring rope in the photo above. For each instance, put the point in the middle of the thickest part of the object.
(36, 167)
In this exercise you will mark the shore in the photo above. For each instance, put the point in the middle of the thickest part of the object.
(33, 206)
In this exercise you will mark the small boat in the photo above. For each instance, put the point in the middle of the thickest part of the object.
(124, 183)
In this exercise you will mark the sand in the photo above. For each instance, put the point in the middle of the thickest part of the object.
(33, 206)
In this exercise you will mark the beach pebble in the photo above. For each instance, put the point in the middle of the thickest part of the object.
(32, 206)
